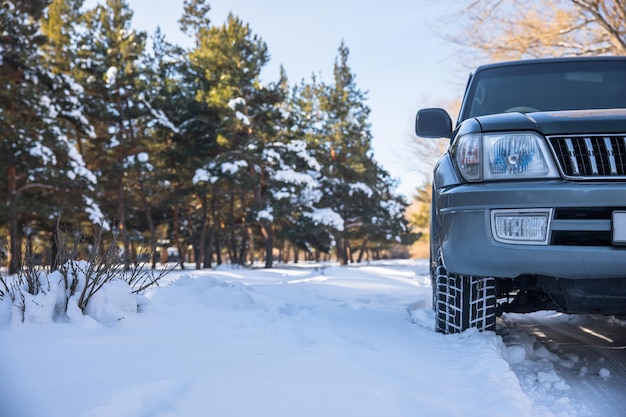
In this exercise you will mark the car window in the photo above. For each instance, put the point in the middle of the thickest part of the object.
(567, 85)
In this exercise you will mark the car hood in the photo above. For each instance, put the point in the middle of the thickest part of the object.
(558, 122)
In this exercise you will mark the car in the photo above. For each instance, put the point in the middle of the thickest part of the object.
(529, 201)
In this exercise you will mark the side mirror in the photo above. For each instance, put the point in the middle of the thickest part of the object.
(433, 123)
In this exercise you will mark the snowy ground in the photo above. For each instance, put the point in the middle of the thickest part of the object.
(298, 340)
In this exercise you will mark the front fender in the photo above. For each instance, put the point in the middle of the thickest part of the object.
(445, 174)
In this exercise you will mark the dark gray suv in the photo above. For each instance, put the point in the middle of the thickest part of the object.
(529, 201)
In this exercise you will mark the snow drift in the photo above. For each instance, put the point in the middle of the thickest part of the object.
(300, 340)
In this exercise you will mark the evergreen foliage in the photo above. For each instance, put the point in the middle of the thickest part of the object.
(104, 126)
(40, 113)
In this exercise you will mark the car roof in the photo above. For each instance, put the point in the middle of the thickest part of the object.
(548, 60)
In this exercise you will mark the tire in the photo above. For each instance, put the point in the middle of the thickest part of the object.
(461, 302)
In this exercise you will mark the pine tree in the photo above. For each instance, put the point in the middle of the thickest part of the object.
(248, 119)
(194, 144)
(190, 139)
(59, 25)
(308, 228)
(44, 175)
(195, 18)
(350, 170)
(356, 188)
(163, 98)
(110, 53)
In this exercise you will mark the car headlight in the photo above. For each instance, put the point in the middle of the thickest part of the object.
(503, 156)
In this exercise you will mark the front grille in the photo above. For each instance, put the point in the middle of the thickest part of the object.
(585, 213)
(573, 234)
(590, 156)
(585, 238)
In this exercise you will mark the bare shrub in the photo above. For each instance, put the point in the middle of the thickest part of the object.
(76, 281)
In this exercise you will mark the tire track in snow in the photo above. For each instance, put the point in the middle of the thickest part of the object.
(588, 355)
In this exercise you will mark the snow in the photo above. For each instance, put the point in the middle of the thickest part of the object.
(306, 339)
(299, 147)
(233, 167)
(242, 118)
(41, 151)
(95, 214)
(327, 217)
(111, 76)
(293, 177)
(604, 373)
(266, 214)
(203, 175)
(233, 104)
(360, 187)
(77, 163)
(142, 159)
(270, 155)
(392, 207)
(45, 101)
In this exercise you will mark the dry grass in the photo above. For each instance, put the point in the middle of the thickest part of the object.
(420, 249)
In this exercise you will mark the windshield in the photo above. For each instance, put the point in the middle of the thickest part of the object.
(547, 86)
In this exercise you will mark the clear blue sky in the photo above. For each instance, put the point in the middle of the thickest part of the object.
(396, 53)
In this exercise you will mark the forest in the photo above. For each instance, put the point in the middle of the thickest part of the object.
(113, 134)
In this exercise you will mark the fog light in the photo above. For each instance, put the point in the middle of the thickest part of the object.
(523, 227)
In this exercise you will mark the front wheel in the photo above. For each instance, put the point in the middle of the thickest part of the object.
(461, 301)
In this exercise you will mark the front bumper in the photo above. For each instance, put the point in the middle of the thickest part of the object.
(463, 223)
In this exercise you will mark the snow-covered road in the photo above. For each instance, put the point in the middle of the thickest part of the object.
(578, 361)
(301, 340)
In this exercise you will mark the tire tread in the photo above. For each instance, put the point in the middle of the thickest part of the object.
(463, 302)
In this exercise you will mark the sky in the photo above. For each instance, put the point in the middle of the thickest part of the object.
(397, 53)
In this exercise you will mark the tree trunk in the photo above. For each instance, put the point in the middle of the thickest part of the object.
(342, 253)
(208, 257)
(361, 251)
(233, 241)
(121, 210)
(218, 252)
(15, 252)
(269, 251)
(266, 230)
(54, 252)
(203, 227)
(252, 248)
(244, 244)
(148, 212)
(176, 230)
